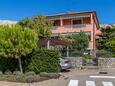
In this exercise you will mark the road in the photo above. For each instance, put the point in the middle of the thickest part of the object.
(88, 81)
(76, 78)
(93, 78)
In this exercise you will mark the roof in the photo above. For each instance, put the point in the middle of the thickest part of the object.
(82, 12)
(53, 42)
(71, 13)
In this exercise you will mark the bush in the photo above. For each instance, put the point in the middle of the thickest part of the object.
(8, 72)
(7, 78)
(31, 77)
(52, 75)
(8, 64)
(104, 53)
(20, 77)
(16, 72)
(44, 60)
(44, 74)
(1, 72)
(86, 57)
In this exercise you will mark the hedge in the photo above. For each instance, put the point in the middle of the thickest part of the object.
(43, 60)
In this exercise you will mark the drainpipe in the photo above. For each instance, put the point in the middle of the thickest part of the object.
(48, 44)
(67, 51)
(61, 21)
(92, 21)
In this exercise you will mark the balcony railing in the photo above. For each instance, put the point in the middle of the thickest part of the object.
(78, 25)
(70, 26)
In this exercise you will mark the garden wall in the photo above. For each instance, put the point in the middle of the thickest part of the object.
(102, 62)
(76, 61)
(106, 62)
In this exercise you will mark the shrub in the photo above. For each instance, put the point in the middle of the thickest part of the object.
(16, 72)
(20, 77)
(7, 78)
(8, 72)
(51, 75)
(1, 72)
(44, 74)
(104, 53)
(8, 64)
(86, 57)
(44, 60)
(31, 77)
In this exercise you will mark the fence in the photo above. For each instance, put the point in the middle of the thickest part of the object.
(102, 62)
(106, 62)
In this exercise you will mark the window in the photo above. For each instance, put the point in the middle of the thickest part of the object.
(87, 20)
(67, 22)
(77, 22)
(56, 23)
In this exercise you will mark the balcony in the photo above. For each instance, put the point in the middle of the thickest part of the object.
(77, 26)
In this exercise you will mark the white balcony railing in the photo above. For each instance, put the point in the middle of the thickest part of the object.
(70, 26)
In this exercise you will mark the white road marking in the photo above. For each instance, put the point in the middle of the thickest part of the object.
(106, 77)
(90, 83)
(73, 83)
(107, 84)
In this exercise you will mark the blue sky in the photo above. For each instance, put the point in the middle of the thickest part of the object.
(18, 9)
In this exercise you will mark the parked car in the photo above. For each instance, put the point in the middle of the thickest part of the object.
(65, 63)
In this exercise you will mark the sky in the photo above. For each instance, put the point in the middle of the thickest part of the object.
(18, 9)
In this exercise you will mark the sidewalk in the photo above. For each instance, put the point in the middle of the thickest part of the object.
(62, 81)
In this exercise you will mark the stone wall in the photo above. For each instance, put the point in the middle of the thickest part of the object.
(76, 61)
(102, 62)
(106, 62)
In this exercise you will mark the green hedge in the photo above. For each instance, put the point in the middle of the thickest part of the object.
(104, 53)
(8, 64)
(44, 60)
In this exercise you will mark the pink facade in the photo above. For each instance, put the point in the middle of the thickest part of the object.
(70, 23)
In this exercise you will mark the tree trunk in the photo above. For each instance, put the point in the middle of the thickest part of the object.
(20, 65)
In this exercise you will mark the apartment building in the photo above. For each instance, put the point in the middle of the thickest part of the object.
(73, 22)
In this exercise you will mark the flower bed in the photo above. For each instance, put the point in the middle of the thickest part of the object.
(28, 77)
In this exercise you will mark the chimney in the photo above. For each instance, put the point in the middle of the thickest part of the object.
(68, 12)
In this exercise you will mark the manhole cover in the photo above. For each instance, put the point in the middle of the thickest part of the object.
(103, 72)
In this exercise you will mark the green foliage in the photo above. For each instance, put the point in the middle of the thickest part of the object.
(80, 41)
(7, 72)
(39, 23)
(43, 74)
(44, 60)
(86, 57)
(106, 40)
(31, 77)
(16, 72)
(20, 77)
(10, 64)
(104, 53)
(25, 23)
(1, 72)
(7, 78)
(16, 41)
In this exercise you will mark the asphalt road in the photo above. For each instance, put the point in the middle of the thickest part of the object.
(87, 81)
(76, 78)
(93, 78)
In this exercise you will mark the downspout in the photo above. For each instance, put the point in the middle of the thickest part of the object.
(93, 36)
